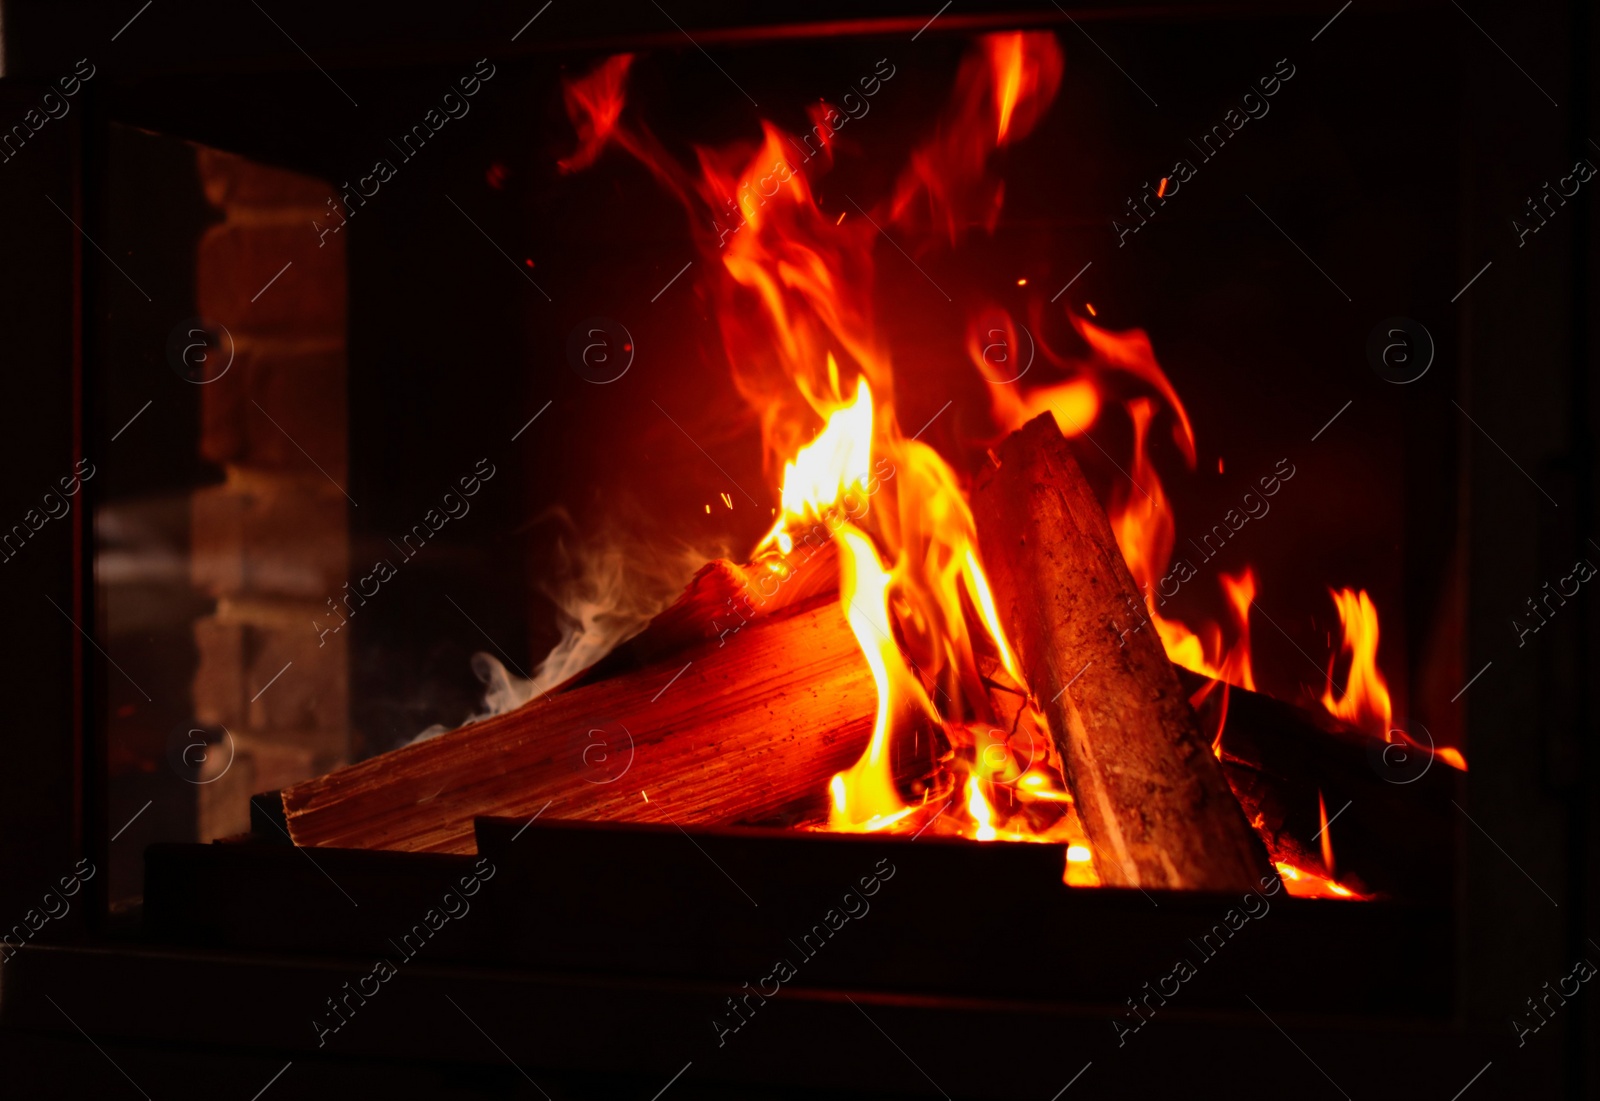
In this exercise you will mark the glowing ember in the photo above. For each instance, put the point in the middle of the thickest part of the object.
(1304, 884)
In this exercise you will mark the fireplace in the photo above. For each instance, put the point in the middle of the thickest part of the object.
(593, 556)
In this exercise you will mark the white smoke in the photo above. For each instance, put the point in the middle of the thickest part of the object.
(606, 588)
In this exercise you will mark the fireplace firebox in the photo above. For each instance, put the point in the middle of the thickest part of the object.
(824, 552)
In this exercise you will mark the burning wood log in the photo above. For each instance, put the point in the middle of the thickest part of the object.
(747, 728)
(722, 599)
(1151, 795)
(1389, 805)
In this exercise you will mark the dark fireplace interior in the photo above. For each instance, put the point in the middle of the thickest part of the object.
(284, 369)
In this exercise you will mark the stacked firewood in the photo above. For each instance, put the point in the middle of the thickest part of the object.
(731, 710)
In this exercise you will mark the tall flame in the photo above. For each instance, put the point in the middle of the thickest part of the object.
(1141, 520)
(1241, 592)
(864, 797)
(1006, 59)
(1365, 701)
(792, 290)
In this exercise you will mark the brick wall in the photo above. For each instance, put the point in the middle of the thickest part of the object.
(271, 543)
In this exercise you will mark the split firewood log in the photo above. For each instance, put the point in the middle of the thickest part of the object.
(1153, 799)
(737, 729)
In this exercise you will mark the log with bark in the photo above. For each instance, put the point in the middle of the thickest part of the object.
(1388, 805)
(1152, 797)
(743, 728)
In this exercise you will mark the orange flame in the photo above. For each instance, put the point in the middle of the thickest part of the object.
(1004, 353)
(864, 797)
(1141, 520)
(1452, 757)
(1005, 52)
(792, 294)
(1241, 593)
(1365, 700)
(1327, 838)
(1132, 352)
(1001, 92)
(927, 602)
(923, 619)
(833, 466)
